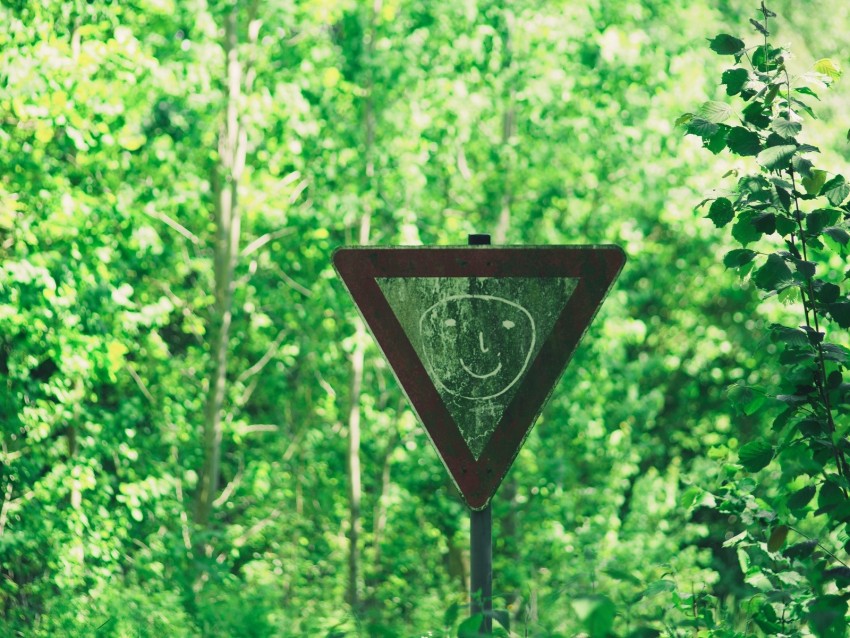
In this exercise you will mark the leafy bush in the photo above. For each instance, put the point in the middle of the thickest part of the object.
(788, 492)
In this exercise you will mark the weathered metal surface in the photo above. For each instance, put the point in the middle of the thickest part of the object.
(481, 566)
(478, 338)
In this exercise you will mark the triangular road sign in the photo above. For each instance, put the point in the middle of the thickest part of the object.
(478, 337)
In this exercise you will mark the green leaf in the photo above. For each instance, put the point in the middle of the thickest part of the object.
(755, 115)
(774, 274)
(777, 538)
(451, 615)
(806, 268)
(802, 165)
(716, 112)
(743, 230)
(776, 157)
(597, 613)
(756, 455)
(717, 142)
(734, 540)
(702, 128)
(683, 119)
(807, 91)
(765, 223)
(841, 576)
(814, 182)
(765, 58)
(803, 549)
(469, 628)
(790, 336)
(836, 190)
(837, 234)
(738, 257)
(785, 127)
(725, 44)
(784, 197)
(805, 107)
(734, 80)
(830, 496)
(819, 219)
(827, 293)
(785, 225)
(657, 587)
(801, 498)
(828, 67)
(743, 142)
(759, 27)
(834, 352)
(721, 212)
(767, 620)
(840, 312)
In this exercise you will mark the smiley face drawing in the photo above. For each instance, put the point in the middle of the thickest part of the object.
(477, 346)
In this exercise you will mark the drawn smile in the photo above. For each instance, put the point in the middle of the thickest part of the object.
(493, 372)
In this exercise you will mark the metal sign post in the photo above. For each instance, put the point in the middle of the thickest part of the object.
(481, 541)
(478, 337)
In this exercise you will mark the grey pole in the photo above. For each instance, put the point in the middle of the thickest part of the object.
(481, 541)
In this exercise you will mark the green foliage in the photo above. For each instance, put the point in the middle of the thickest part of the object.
(798, 217)
(542, 123)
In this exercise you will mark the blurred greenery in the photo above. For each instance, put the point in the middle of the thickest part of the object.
(174, 176)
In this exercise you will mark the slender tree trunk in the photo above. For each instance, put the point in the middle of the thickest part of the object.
(227, 222)
(380, 521)
(508, 523)
(358, 356)
(500, 233)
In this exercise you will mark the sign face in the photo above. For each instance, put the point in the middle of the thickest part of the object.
(478, 337)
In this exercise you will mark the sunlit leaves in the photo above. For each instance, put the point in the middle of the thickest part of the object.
(828, 68)
(785, 127)
(814, 182)
(701, 127)
(836, 190)
(777, 157)
(716, 112)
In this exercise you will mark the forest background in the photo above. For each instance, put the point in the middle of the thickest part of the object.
(197, 435)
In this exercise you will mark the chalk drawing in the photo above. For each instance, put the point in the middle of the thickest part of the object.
(477, 346)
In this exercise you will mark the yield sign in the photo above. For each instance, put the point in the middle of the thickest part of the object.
(478, 337)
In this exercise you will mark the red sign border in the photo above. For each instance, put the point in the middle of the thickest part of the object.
(595, 266)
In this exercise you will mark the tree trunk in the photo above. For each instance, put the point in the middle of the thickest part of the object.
(227, 222)
(500, 233)
(508, 522)
(358, 356)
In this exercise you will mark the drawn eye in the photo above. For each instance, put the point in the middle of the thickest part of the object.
(507, 323)
(450, 322)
